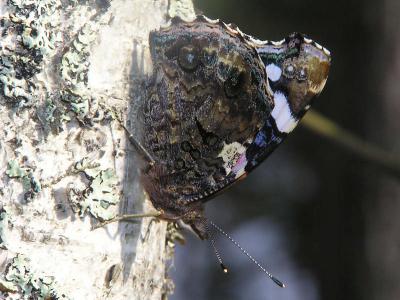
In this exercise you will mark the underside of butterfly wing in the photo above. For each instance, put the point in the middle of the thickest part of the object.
(218, 104)
(209, 97)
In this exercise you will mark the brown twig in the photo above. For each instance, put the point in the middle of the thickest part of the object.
(321, 125)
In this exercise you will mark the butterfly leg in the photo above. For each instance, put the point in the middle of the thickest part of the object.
(128, 217)
(139, 147)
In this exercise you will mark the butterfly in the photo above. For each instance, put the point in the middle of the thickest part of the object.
(219, 102)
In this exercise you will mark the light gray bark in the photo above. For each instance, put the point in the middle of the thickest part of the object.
(94, 61)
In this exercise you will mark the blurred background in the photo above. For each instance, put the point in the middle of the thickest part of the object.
(323, 219)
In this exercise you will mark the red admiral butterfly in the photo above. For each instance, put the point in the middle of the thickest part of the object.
(218, 104)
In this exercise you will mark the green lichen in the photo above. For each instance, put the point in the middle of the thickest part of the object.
(7, 287)
(29, 182)
(101, 194)
(90, 168)
(3, 228)
(29, 36)
(181, 8)
(14, 170)
(32, 285)
(74, 70)
(74, 66)
(53, 114)
(12, 86)
(34, 183)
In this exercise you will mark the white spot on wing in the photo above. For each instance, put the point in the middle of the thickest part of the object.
(257, 41)
(318, 46)
(279, 43)
(308, 41)
(281, 113)
(210, 20)
(326, 51)
(241, 163)
(230, 154)
(273, 72)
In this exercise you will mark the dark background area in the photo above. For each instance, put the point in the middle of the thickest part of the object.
(322, 219)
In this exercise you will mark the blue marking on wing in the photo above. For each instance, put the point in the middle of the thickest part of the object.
(261, 139)
(265, 142)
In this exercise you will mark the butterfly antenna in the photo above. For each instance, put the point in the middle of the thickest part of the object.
(274, 279)
(212, 241)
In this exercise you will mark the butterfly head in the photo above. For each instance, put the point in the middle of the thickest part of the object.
(297, 70)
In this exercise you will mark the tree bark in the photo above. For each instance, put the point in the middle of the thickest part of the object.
(68, 70)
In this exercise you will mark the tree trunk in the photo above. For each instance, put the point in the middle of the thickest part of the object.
(68, 70)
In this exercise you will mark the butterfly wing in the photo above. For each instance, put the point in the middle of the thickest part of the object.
(208, 99)
(297, 70)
